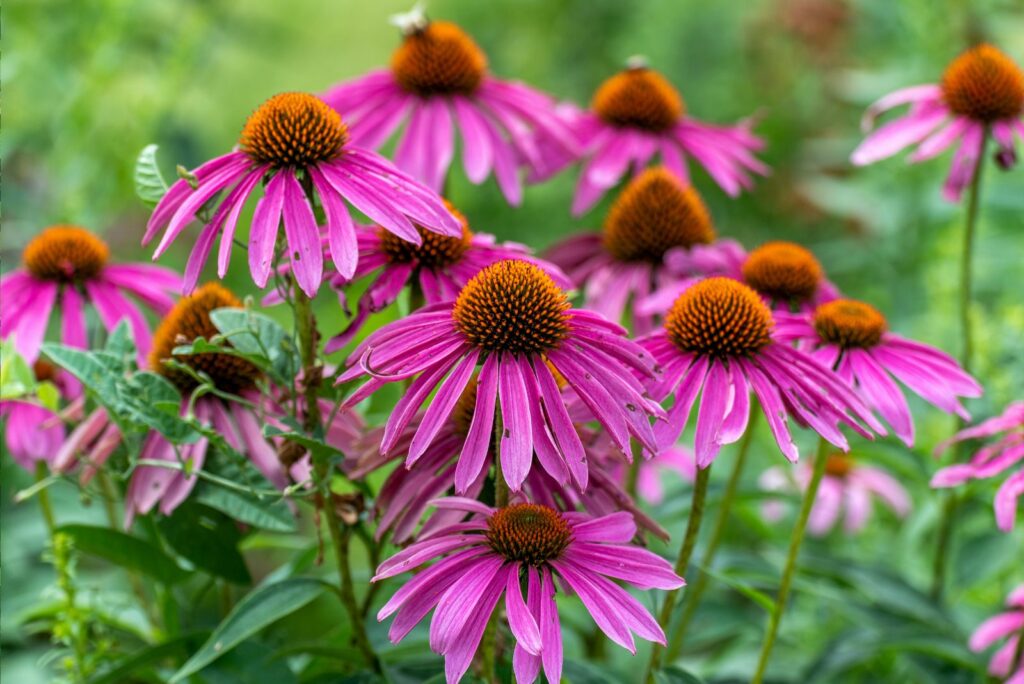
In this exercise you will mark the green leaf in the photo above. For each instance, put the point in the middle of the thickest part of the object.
(16, 376)
(150, 185)
(126, 551)
(149, 399)
(264, 514)
(258, 335)
(261, 607)
(757, 596)
(676, 675)
(317, 447)
(145, 657)
(206, 538)
(579, 672)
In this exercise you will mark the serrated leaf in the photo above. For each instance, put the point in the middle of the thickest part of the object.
(206, 538)
(259, 609)
(258, 335)
(150, 185)
(264, 514)
(126, 551)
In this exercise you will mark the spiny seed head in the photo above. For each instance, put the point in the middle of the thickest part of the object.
(44, 371)
(66, 254)
(188, 321)
(655, 213)
(984, 84)
(512, 306)
(528, 533)
(838, 465)
(439, 59)
(293, 129)
(639, 97)
(719, 317)
(783, 271)
(849, 323)
(436, 250)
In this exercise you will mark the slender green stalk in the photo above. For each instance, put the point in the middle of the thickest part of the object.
(695, 591)
(700, 492)
(790, 570)
(489, 652)
(500, 486)
(44, 500)
(952, 499)
(633, 475)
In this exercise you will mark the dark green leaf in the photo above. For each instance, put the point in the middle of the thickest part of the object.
(676, 675)
(126, 551)
(146, 657)
(261, 607)
(262, 513)
(579, 672)
(208, 539)
(149, 183)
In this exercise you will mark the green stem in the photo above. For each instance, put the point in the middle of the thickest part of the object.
(700, 492)
(695, 592)
(500, 486)
(633, 475)
(44, 499)
(951, 499)
(790, 570)
(489, 652)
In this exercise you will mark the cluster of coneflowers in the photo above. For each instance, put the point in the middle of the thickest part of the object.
(527, 426)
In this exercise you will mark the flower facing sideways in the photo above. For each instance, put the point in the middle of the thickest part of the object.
(496, 553)
(300, 147)
(981, 94)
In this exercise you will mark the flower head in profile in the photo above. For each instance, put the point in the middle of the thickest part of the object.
(439, 84)
(655, 215)
(495, 554)
(637, 115)
(980, 94)
(66, 267)
(1006, 626)
(301, 148)
(439, 267)
(788, 275)
(991, 460)
(515, 323)
(854, 338)
(846, 491)
(719, 339)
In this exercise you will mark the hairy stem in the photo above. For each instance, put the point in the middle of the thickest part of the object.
(695, 592)
(951, 499)
(700, 492)
(796, 540)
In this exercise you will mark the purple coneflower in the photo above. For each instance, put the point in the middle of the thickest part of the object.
(439, 267)
(300, 146)
(32, 432)
(493, 553)
(1006, 625)
(853, 337)
(439, 83)
(655, 214)
(636, 115)
(718, 337)
(981, 94)
(64, 268)
(516, 321)
(847, 485)
(992, 460)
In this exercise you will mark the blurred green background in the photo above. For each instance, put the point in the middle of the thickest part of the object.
(87, 84)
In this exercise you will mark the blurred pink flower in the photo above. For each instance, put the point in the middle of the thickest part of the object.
(32, 432)
(981, 93)
(65, 267)
(291, 139)
(847, 485)
(992, 460)
(637, 114)
(853, 337)
(491, 555)
(1006, 625)
(439, 83)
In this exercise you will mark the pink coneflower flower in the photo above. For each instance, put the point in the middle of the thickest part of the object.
(788, 276)
(298, 145)
(853, 338)
(718, 337)
(32, 432)
(655, 214)
(438, 82)
(439, 267)
(636, 115)
(519, 324)
(1006, 625)
(981, 93)
(847, 485)
(491, 555)
(64, 268)
(991, 460)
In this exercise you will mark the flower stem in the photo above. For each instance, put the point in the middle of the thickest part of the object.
(794, 550)
(500, 486)
(341, 534)
(694, 594)
(700, 492)
(951, 501)
(44, 499)
(489, 652)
